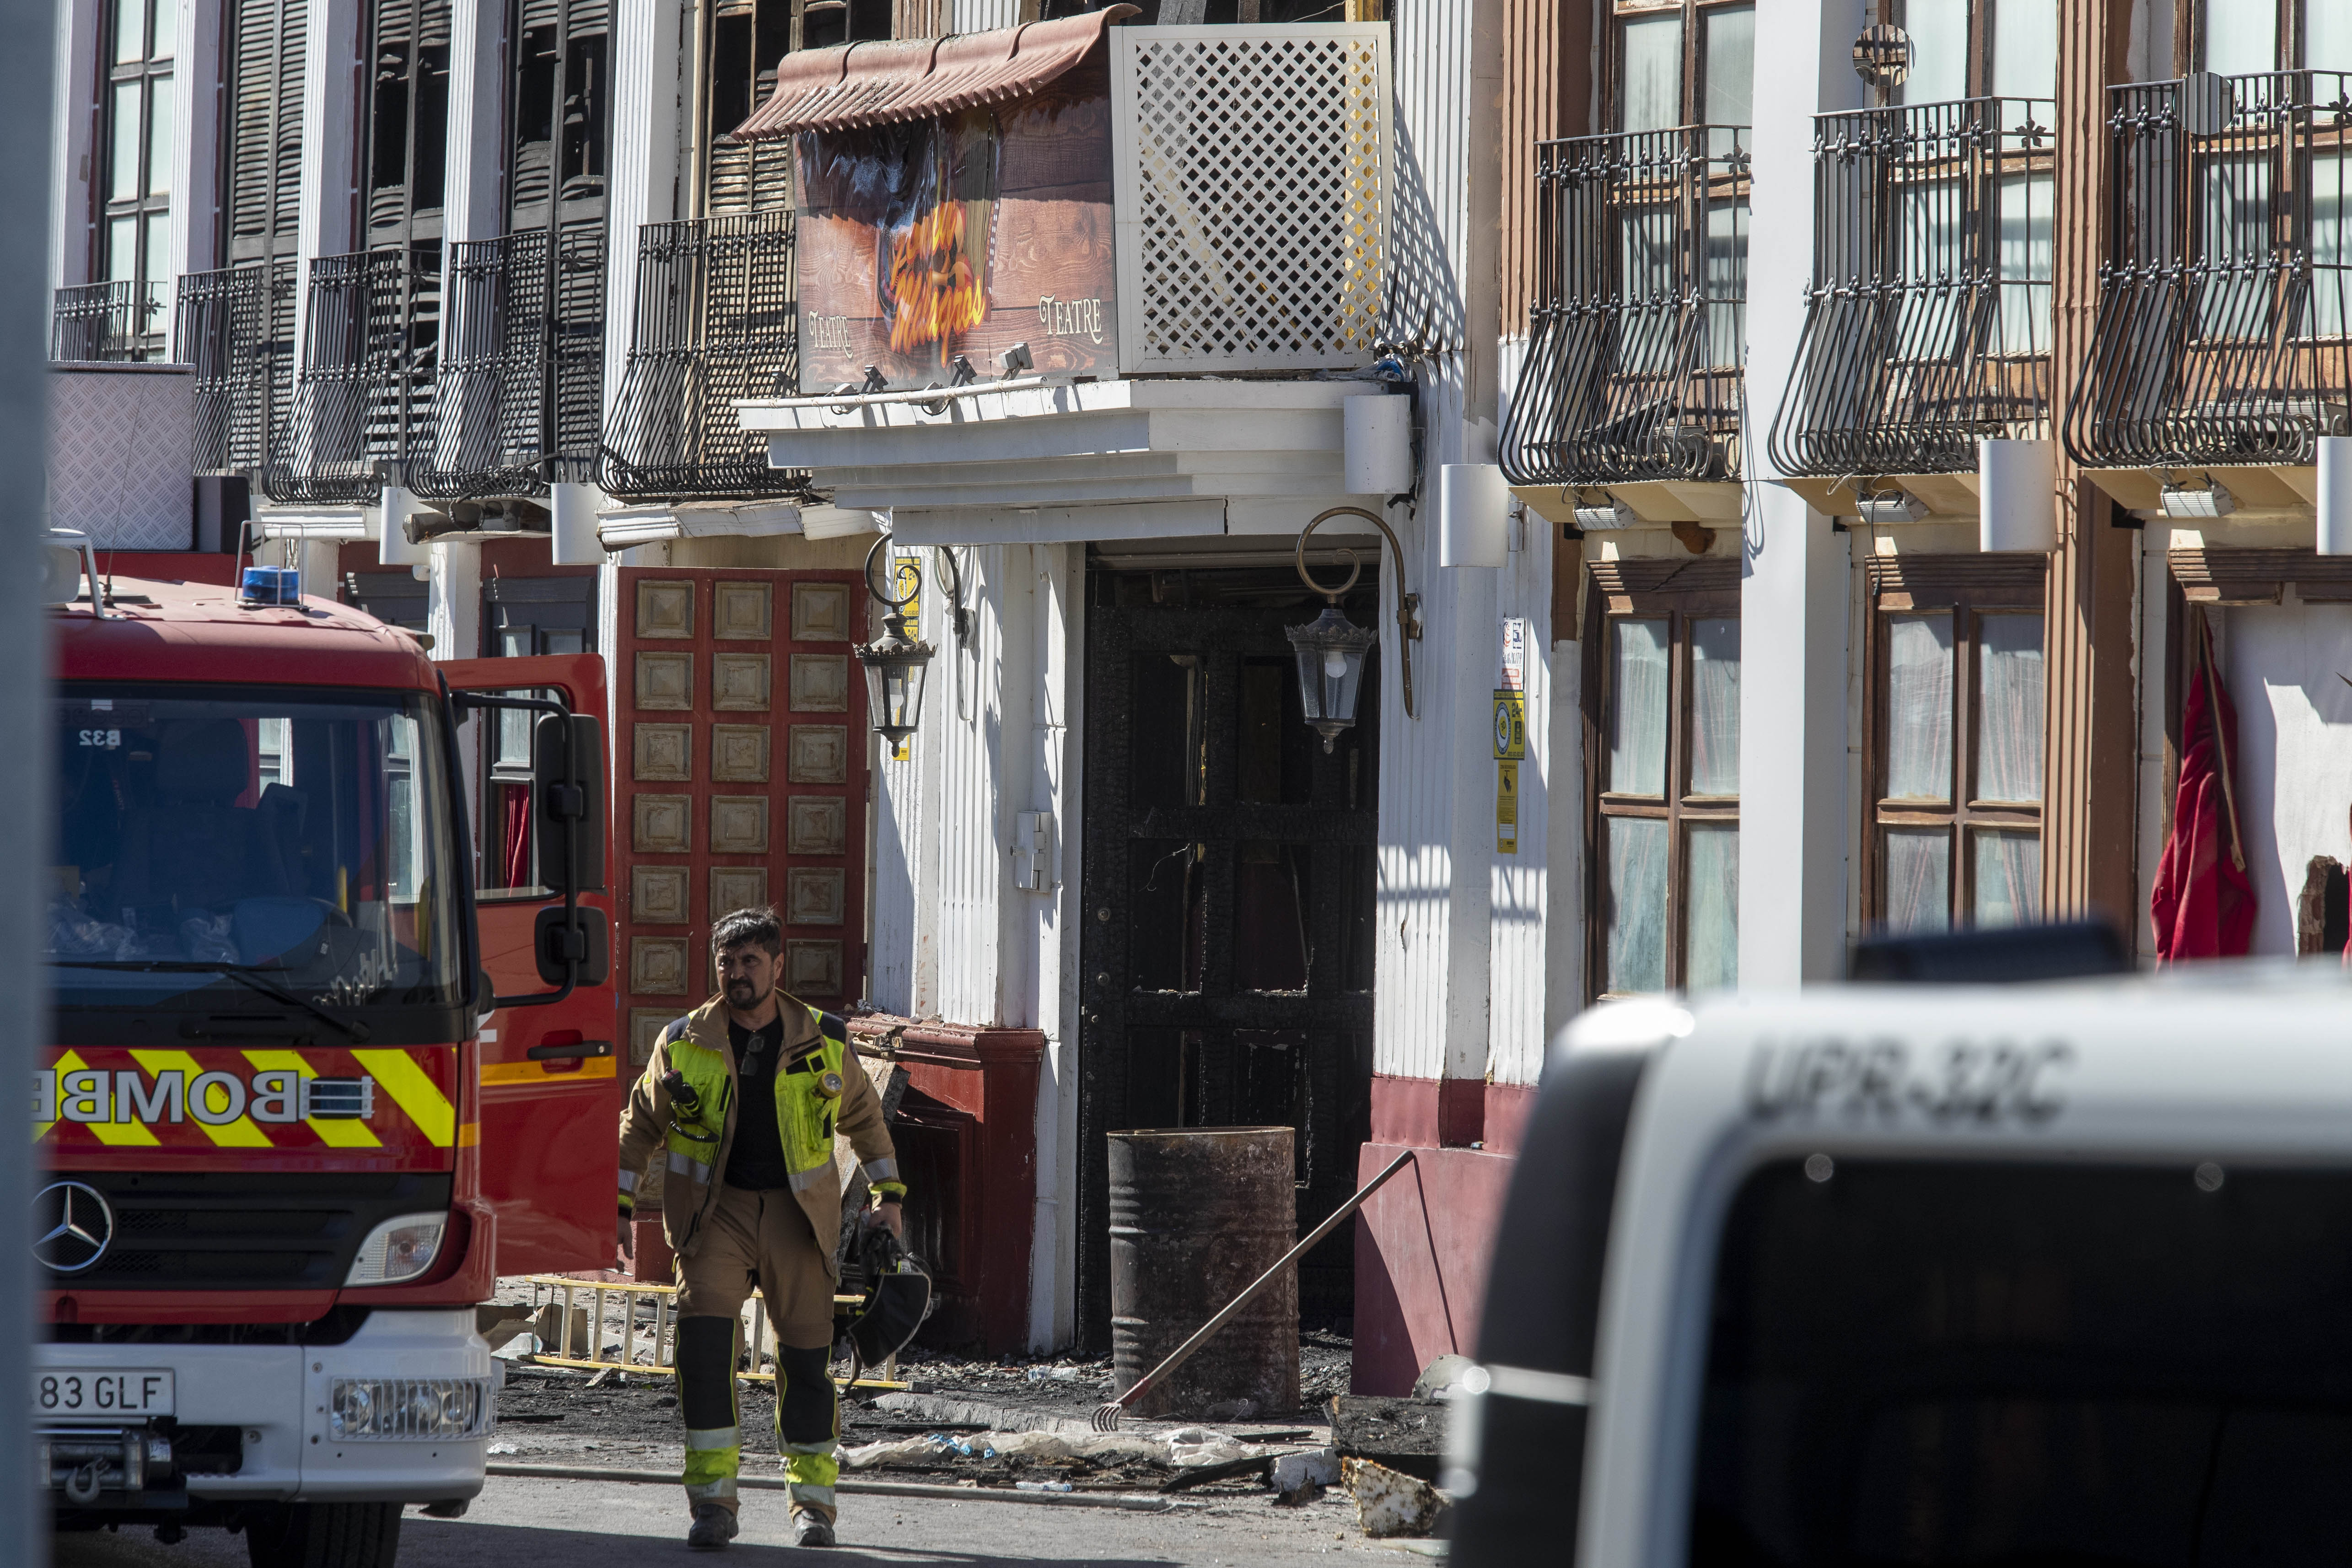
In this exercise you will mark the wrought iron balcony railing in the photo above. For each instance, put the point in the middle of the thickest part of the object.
(1634, 359)
(236, 326)
(117, 323)
(716, 319)
(363, 398)
(1928, 320)
(518, 395)
(2224, 333)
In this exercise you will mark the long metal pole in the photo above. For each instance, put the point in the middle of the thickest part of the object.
(1105, 1417)
(28, 34)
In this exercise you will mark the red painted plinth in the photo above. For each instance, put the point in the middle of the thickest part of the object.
(967, 1138)
(1423, 1243)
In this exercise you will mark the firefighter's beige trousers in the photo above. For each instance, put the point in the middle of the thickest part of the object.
(757, 1238)
(760, 1239)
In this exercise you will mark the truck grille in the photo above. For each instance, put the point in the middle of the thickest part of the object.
(240, 1231)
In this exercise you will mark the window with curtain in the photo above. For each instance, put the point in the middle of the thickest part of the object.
(2240, 37)
(1665, 813)
(1684, 63)
(134, 188)
(1975, 48)
(1957, 751)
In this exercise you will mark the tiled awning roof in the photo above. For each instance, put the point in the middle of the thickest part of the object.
(885, 83)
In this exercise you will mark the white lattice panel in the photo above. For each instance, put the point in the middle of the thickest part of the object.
(1252, 195)
(119, 454)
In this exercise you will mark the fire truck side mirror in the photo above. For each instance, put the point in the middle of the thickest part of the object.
(568, 798)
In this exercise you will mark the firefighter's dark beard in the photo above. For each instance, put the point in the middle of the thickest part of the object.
(742, 996)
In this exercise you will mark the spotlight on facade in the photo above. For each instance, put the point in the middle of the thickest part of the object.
(1890, 506)
(1330, 648)
(893, 663)
(1616, 514)
(2213, 500)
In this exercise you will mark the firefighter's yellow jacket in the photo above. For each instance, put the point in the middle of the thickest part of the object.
(816, 1057)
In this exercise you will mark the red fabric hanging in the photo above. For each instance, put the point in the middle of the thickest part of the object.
(514, 848)
(2204, 902)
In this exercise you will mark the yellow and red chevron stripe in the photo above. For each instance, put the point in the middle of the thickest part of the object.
(390, 1107)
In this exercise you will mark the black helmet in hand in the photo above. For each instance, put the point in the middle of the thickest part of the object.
(896, 1296)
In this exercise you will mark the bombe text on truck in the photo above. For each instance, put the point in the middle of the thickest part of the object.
(329, 946)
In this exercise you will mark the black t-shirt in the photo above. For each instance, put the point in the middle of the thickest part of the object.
(756, 1162)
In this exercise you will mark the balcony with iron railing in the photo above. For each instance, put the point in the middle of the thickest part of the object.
(363, 404)
(2222, 350)
(517, 390)
(716, 319)
(234, 326)
(108, 323)
(1928, 321)
(1629, 400)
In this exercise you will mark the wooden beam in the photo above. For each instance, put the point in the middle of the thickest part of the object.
(2088, 839)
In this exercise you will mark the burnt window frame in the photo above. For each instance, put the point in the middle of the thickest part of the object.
(405, 207)
(769, 29)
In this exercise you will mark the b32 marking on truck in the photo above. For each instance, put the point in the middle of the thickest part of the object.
(1974, 1082)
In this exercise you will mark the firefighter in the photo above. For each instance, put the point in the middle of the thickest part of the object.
(744, 1093)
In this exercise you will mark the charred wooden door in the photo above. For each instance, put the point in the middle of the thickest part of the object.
(1228, 883)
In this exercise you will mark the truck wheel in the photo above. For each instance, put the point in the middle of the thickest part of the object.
(325, 1535)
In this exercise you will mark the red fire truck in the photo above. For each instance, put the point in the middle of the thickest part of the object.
(334, 1024)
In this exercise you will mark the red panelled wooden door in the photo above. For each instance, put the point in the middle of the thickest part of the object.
(742, 760)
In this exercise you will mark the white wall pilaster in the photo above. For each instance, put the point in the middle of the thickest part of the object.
(72, 150)
(198, 89)
(475, 188)
(332, 103)
(649, 79)
(1793, 782)
(1434, 955)
(454, 602)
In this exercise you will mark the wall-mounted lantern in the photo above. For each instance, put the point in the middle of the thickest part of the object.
(1330, 648)
(893, 663)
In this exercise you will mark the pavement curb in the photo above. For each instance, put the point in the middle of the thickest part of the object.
(853, 1488)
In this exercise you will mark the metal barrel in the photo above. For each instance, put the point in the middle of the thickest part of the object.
(1196, 1215)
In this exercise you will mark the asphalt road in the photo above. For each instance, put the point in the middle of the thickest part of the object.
(517, 1524)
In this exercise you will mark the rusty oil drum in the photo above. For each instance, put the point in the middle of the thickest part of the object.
(1197, 1213)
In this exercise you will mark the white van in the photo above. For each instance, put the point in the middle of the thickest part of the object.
(1998, 1276)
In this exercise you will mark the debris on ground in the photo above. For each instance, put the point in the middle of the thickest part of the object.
(1009, 1423)
(1389, 1502)
(1301, 1476)
(1407, 1435)
(1442, 1376)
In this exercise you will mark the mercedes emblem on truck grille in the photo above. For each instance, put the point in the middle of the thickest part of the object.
(72, 1226)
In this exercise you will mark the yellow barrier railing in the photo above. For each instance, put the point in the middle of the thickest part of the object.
(659, 1338)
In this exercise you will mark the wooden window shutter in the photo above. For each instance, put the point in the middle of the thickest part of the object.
(265, 129)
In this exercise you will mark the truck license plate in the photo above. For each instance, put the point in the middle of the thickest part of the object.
(90, 1391)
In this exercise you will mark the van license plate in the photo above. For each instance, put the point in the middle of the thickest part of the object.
(92, 1391)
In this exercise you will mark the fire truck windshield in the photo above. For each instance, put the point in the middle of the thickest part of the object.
(300, 836)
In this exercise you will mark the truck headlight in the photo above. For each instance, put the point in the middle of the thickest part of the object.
(398, 1250)
(362, 1409)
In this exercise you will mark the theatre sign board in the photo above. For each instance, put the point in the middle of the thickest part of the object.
(926, 236)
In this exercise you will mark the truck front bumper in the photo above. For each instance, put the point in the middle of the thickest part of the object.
(401, 1412)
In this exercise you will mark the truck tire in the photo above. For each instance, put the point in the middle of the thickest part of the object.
(325, 1535)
